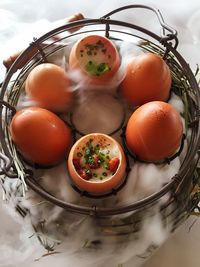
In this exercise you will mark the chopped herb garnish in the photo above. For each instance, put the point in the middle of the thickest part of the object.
(102, 160)
(96, 69)
(106, 165)
(103, 67)
(104, 174)
(88, 152)
(87, 155)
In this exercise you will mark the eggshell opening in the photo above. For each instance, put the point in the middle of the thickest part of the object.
(98, 186)
(91, 50)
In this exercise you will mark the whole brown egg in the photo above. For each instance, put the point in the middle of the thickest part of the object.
(154, 131)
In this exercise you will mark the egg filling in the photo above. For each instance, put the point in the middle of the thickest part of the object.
(96, 160)
(98, 57)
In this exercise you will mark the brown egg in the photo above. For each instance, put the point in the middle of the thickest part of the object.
(147, 78)
(154, 131)
(97, 163)
(40, 135)
(49, 87)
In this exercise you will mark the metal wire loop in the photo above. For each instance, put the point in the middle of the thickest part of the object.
(7, 105)
(164, 26)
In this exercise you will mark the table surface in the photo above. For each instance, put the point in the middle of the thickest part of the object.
(17, 17)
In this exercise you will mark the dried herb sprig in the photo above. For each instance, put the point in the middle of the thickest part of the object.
(41, 232)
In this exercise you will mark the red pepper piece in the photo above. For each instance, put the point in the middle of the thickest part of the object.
(77, 164)
(95, 164)
(113, 164)
(85, 174)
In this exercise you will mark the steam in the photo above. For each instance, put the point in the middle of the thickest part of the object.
(94, 112)
(146, 179)
(25, 102)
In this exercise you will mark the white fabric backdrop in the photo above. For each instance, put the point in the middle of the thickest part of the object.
(20, 20)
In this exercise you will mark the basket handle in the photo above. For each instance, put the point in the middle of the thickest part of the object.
(165, 37)
(8, 61)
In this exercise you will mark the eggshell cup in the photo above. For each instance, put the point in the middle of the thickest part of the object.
(101, 186)
(98, 49)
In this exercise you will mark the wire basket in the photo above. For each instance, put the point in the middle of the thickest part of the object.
(183, 188)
